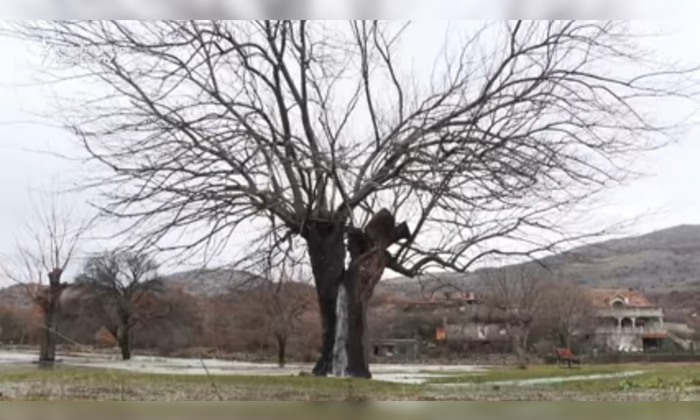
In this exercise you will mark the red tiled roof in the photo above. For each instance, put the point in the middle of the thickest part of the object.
(602, 298)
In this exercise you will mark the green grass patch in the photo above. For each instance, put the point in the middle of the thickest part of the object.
(533, 372)
(70, 383)
(449, 372)
(77, 383)
(661, 377)
(103, 375)
(674, 378)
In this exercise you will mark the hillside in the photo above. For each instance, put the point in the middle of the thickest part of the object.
(201, 283)
(664, 260)
(212, 282)
(658, 263)
(15, 296)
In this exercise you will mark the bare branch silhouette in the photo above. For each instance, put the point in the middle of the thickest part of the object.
(44, 252)
(305, 129)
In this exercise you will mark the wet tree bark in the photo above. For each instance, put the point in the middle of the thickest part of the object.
(339, 361)
(357, 363)
(344, 294)
(326, 247)
(350, 347)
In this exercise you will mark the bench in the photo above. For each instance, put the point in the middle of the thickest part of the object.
(565, 356)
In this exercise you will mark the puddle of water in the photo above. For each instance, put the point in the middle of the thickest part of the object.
(397, 373)
(547, 381)
(408, 379)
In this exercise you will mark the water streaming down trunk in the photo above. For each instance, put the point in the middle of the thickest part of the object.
(342, 310)
(340, 346)
(344, 293)
(326, 248)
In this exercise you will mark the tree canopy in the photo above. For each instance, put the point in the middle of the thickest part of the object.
(209, 126)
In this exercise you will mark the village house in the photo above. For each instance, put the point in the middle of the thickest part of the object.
(483, 324)
(626, 321)
(621, 321)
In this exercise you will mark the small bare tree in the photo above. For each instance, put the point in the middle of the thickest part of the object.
(122, 287)
(283, 307)
(518, 292)
(44, 252)
(568, 312)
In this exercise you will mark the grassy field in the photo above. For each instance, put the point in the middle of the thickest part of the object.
(533, 372)
(96, 384)
(653, 382)
(648, 382)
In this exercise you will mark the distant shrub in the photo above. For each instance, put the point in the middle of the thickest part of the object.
(104, 338)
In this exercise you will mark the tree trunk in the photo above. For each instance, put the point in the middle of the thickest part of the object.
(343, 296)
(124, 343)
(350, 353)
(519, 337)
(281, 351)
(565, 339)
(521, 359)
(47, 352)
(326, 247)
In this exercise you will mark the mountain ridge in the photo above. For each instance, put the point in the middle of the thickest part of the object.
(661, 261)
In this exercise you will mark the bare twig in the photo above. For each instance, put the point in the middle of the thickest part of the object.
(211, 380)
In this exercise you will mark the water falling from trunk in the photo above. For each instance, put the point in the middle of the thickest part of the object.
(340, 347)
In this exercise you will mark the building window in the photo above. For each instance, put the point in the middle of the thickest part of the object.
(618, 304)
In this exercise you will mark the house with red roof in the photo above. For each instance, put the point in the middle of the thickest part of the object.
(626, 320)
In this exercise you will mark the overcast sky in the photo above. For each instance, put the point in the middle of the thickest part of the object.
(29, 146)
(343, 9)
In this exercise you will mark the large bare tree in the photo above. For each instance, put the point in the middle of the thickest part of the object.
(44, 251)
(300, 131)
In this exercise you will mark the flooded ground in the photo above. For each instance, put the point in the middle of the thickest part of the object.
(177, 379)
(397, 373)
